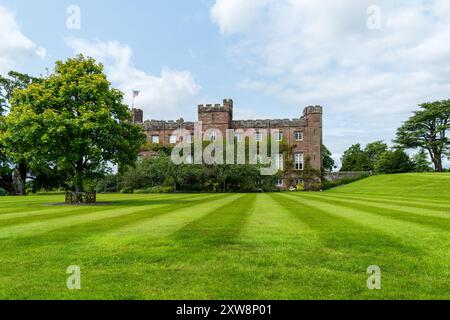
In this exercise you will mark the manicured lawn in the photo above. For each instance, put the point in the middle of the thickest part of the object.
(234, 246)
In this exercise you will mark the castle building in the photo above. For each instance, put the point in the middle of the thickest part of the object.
(303, 136)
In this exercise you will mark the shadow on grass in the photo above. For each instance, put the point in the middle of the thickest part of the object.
(130, 202)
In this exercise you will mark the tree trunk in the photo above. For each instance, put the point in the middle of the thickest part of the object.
(436, 158)
(23, 178)
(438, 164)
(78, 182)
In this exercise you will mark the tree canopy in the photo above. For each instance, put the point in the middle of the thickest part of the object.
(356, 159)
(421, 163)
(328, 163)
(73, 122)
(427, 129)
(8, 85)
(374, 150)
(394, 161)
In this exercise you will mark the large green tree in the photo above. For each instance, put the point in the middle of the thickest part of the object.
(374, 150)
(356, 159)
(73, 122)
(428, 129)
(421, 163)
(13, 81)
(394, 161)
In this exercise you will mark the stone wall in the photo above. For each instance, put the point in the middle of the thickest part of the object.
(335, 176)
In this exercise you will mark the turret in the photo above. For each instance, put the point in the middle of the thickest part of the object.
(137, 116)
(216, 116)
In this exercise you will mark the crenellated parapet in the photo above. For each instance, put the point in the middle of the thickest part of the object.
(313, 110)
(268, 123)
(226, 107)
(160, 125)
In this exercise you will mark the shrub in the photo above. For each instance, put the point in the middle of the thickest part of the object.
(158, 189)
(126, 190)
(169, 182)
(44, 192)
(107, 184)
(160, 171)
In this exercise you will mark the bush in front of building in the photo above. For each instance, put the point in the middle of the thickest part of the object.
(159, 174)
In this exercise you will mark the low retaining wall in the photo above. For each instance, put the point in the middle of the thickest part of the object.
(335, 176)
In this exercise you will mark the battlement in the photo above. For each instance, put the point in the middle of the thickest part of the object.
(313, 110)
(158, 125)
(208, 108)
(222, 116)
(268, 123)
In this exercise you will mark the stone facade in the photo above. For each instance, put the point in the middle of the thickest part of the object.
(302, 135)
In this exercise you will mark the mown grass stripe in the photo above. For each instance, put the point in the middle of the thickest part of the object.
(57, 210)
(268, 218)
(406, 232)
(220, 227)
(428, 208)
(39, 227)
(328, 224)
(440, 222)
(163, 225)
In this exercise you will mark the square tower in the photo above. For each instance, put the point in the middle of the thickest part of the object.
(216, 116)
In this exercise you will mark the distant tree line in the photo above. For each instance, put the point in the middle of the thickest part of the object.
(426, 132)
(378, 158)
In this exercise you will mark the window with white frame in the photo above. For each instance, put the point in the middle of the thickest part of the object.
(155, 139)
(299, 161)
(259, 137)
(189, 139)
(239, 137)
(280, 136)
(173, 139)
(279, 182)
(299, 136)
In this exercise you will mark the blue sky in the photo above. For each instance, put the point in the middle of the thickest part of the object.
(369, 66)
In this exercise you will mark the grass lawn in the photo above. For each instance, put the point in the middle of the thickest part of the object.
(234, 246)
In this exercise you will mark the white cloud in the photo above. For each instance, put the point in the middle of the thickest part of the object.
(236, 15)
(14, 45)
(321, 52)
(161, 97)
